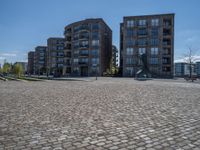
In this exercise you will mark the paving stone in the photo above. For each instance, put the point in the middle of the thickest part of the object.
(105, 114)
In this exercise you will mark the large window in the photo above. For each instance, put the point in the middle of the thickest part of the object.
(84, 52)
(76, 60)
(154, 42)
(130, 42)
(95, 52)
(142, 31)
(142, 51)
(155, 22)
(76, 52)
(129, 51)
(142, 42)
(154, 32)
(130, 23)
(154, 51)
(83, 60)
(95, 26)
(95, 60)
(154, 61)
(129, 71)
(95, 42)
(95, 35)
(129, 61)
(84, 43)
(142, 22)
(130, 32)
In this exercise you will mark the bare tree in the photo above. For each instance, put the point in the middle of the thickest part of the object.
(190, 59)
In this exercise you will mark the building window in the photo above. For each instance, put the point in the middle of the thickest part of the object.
(142, 51)
(95, 42)
(155, 22)
(130, 42)
(142, 22)
(60, 65)
(142, 42)
(95, 26)
(154, 42)
(76, 52)
(95, 52)
(76, 60)
(76, 69)
(153, 61)
(61, 60)
(130, 33)
(94, 70)
(129, 51)
(129, 61)
(154, 32)
(95, 35)
(83, 60)
(142, 31)
(95, 60)
(154, 51)
(130, 23)
(84, 43)
(129, 71)
(84, 52)
(60, 48)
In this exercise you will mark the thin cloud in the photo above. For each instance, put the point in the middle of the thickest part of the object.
(196, 58)
(8, 54)
(2, 58)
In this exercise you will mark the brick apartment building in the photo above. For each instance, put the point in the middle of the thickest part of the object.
(31, 56)
(55, 56)
(149, 34)
(40, 60)
(88, 47)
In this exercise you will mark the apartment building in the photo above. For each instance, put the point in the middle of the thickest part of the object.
(31, 56)
(88, 48)
(115, 56)
(182, 69)
(40, 60)
(198, 68)
(55, 56)
(152, 35)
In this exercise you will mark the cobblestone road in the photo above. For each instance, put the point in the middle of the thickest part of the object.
(113, 114)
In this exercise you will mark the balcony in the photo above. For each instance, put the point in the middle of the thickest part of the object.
(83, 46)
(167, 23)
(166, 32)
(166, 42)
(68, 54)
(84, 37)
(68, 31)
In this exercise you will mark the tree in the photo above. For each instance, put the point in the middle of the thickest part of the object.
(190, 59)
(6, 68)
(18, 70)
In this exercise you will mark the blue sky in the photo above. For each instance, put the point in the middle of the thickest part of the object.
(24, 24)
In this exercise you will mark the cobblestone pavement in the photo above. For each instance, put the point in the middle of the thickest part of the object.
(111, 113)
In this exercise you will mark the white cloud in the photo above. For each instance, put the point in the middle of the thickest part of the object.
(2, 58)
(196, 58)
(9, 54)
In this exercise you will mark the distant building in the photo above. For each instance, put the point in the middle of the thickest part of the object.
(115, 56)
(55, 56)
(152, 35)
(182, 69)
(40, 60)
(31, 56)
(88, 48)
(198, 68)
